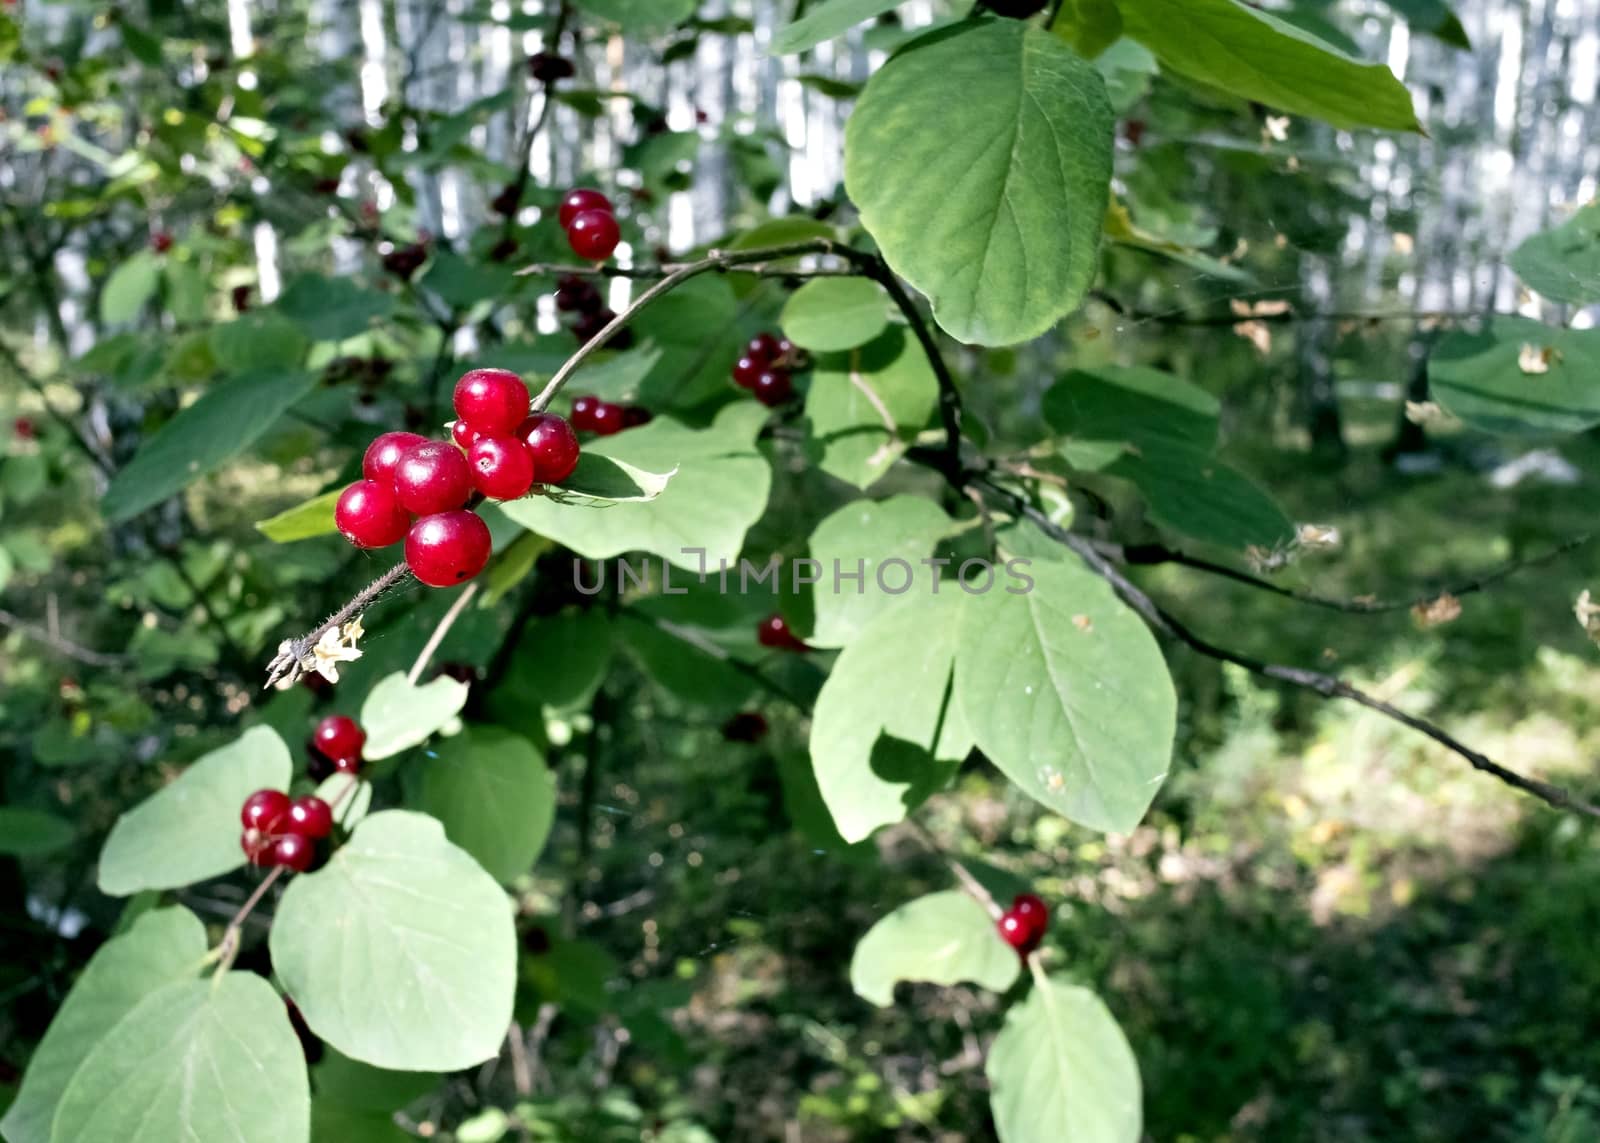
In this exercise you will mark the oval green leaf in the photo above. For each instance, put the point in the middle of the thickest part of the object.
(943, 938)
(1563, 264)
(1519, 377)
(310, 518)
(495, 797)
(864, 407)
(827, 315)
(399, 715)
(29, 833)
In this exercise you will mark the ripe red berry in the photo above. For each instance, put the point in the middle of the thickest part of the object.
(369, 515)
(24, 429)
(553, 446)
(339, 737)
(502, 468)
(606, 419)
(293, 851)
(773, 387)
(589, 325)
(348, 765)
(491, 401)
(578, 200)
(432, 477)
(635, 415)
(1032, 909)
(593, 235)
(463, 434)
(384, 453)
(583, 410)
(447, 548)
(161, 241)
(257, 847)
(774, 632)
(764, 347)
(310, 817)
(263, 809)
(746, 370)
(576, 296)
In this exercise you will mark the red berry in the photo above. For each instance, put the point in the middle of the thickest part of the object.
(576, 296)
(606, 419)
(294, 851)
(583, 410)
(369, 515)
(502, 468)
(491, 401)
(262, 809)
(161, 241)
(553, 446)
(447, 548)
(463, 434)
(773, 387)
(548, 68)
(348, 765)
(635, 415)
(1032, 909)
(257, 847)
(384, 453)
(764, 347)
(746, 370)
(786, 350)
(774, 632)
(1020, 932)
(593, 235)
(339, 737)
(310, 817)
(578, 200)
(432, 477)
(589, 325)
(24, 429)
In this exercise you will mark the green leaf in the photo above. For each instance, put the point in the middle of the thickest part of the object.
(398, 715)
(203, 437)
(256, 340)
(943, 938)
(197, 1059)
(640, 15)
(1436, 18)
(825, 21)
(600, 480)
(130, 286)
(883, 734)
(827, 315)
(884, 542)
(463, 284)
(1090, 26)
(32, 833)
(558, 666)
(864, 407)
(1065, 690)
(1256, 56)
(782, 232)
(1492, 379)
(163, 946)
(349, 807)
(1062, 1069)
(495, 796)
(1115, 403)
(332, 309)
(990, 204)
(1190, 491)
(692, 669)
(309, 518)
(418, 973)
(1563, 264)
(188, 831)
(1127, 67)
(362, 1087)
(720, 489)
(620, 376)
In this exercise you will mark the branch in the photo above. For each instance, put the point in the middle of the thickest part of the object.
(61, 643)
(1287, 316)
(440, 631)
(293, 653)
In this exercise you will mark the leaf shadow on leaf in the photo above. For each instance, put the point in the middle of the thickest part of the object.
(898, 761)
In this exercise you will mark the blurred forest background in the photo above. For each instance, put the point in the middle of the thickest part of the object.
(1325, 930)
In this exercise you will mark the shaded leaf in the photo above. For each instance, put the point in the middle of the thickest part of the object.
(495, 797)
(1481, 379)
(943, 938)
(855, 397)
(883, 541)
(31, 833)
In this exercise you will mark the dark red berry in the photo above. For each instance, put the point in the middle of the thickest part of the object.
(546, 67)
(161, 241)
(786, 351)
(589, 325)
(257, 847)
(606, 419)
(505, 203)
(369, 515)
(339, 737)
(384, 453)
(764, 347)
(24, 429)
(263, 809)
(432, 477)
(773, 387)
(1021, 933)
(319, 767)
(447, 548)
(348, 765)
(310, 817)
(578, 200)
(502, 250)
(502, 468)
(552, 445)
(746, 726)
(241, 299)
(492, 401)
(326, 186)
(293, 851)
(583, 409)
(576, 296)
(774, 632)
(746, 370)
(1032, 909)
(593, 235)
(463, 434)
(635, 415)
(404, 261)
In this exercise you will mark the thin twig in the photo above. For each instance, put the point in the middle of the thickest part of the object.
(228, 947)
(61, 643)
(971, 884)
(440, 631)
(292, 652)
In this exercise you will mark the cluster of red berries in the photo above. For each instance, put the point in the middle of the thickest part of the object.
(603, 418)
(417, 489)
(404, 261)
(765, 368)
(774, 632)
(582, 298)
(279, 830)
(591, 224)
(1024, 924)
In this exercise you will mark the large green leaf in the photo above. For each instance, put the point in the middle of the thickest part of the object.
(1191, 492)
(883, 734)
(719, 490)
(825, 21)
(309, 518)
(495, 797)
(203, 437)
(880, 542)
(332, 309)
(1520, 377)
(400, 952)
(130, 286)
(398, 714)
(640, 15)
(162, 946)
(990, 203)
(1253, 54)
(256, 340)
(1115, 403)
(189, 830)
(865, 406)
(1061, 1069)
(1065, 690)
(943, 938)
(29, 833)
(601, 480)
(828, 315)
(1436, 18)
(1563, 264)
(197, 1059)
(692, 669)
